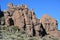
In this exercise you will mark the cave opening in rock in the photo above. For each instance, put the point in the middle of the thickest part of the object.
(43, 33)
(11, 22)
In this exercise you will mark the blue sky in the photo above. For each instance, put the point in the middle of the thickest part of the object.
(50, 7)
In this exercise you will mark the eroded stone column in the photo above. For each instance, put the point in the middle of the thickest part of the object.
(37, 30)
(28, 24)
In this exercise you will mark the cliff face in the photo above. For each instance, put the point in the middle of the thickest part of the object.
(24, 18)
(50, 25)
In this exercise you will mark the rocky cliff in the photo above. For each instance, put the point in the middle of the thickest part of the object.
(24, 18)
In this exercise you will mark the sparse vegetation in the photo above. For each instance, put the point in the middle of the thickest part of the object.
(12, 33)
(44, 39)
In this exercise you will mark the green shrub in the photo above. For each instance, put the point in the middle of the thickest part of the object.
(44, 39)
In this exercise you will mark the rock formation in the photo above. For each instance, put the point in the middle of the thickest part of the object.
(24, 18)
(50, 25)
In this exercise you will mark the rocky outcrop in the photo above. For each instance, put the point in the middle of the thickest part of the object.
(21, 17)
(24, 18)
(50, 25)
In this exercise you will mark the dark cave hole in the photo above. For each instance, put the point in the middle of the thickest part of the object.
(11, 22)
(24, 25)
(43, 33)
(33, 30)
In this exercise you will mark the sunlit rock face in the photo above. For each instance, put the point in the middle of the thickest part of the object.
(50, 25)
(24, 18)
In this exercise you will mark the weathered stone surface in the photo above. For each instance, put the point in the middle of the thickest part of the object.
(50, 25)
(24, 18)
(54, 33)
(10, 5)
